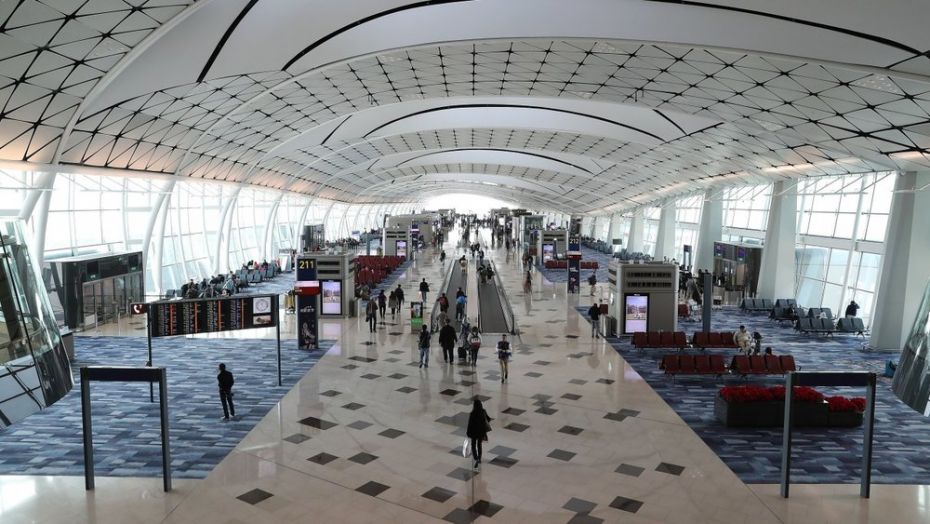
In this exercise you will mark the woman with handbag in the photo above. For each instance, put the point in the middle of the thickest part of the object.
(503, 354)
(479, 424)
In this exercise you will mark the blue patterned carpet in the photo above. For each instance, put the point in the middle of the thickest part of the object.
(820, 455)
(587, 254)
(126, 427)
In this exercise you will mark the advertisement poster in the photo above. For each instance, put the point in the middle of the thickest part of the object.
(262, 311)
(416, 316)
(308, 327)
(548, 253)
(332, 297)
(635, 313)
(401, 248)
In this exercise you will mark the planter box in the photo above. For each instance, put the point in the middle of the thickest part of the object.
(771, 414)
(749, 414)
(845, 419)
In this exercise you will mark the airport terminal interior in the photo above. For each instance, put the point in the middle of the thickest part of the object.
(272, 261)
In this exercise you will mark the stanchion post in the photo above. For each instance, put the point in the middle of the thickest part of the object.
(786, 437)
(869, 415)
(165, 433)
(88, 432)
(148, 333)
(278, 336)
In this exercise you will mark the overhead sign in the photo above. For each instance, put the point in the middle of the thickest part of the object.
(138, 308)
(210, 315)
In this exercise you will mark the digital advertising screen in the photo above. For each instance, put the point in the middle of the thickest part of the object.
(719, 250)
(548, 252)
(741, 254)
(332, 297)
(401, 248)
(635, 313)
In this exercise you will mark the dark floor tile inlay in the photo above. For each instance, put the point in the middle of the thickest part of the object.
(671, 469)
(370, 376)
(485, 508)
(514, 411)
(459, 516)
(570, 430)
(579, 505)
(363, 359)
(392, 360)
(504, 462)
(503, 451)
(331, 393)
(584, 518)
(571, 396)
(438, 494)
(297, 438)
(317, 423)
(450, 392)
(406, 389)
(397, 376)
(395, 351)
(516, 426)
(359, 424)
(542, 362)
(547, 411)
(372, 488)
(349, 366)
(605, 381)
(629, 469)
(322, 459)
(625, 504)
(561, 454)
(533, 374)
(352, 406)
(628, 412)
(391, 433)
(255, 496)
(363, 458)
(461, 474)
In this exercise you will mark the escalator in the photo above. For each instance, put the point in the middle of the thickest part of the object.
(494, 314)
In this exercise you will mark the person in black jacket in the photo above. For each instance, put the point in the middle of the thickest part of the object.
(424, 289)
(477, 430)
(226, 381)
(447, 337)
(595, 313)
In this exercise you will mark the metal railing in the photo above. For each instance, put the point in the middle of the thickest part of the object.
(505, 304)
(444, 286)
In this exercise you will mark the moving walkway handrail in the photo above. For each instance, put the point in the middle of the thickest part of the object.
(505, 304)
(444, 287)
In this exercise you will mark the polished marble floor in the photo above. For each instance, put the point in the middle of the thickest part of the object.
(368, 436)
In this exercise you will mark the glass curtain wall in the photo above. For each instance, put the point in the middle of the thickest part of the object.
(687, 223)
(651, 229)
(842, 222)
(746, 213)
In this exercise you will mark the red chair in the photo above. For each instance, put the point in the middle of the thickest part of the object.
(699, 340)
(639, 339)
(684, 312)
(773, 364)
(713, 339)
(740, 364)
(702, 364)
(686, 364)
(726, 339)
(653, 339)
(757, 365)
(667, 339)
(717, 365)
(681, 340)
(787, 363)
(669, 364)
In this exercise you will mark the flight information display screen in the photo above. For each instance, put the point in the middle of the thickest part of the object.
(210, 315)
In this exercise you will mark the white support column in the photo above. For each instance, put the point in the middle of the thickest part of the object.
(905, 267)
(270, 226)
(665, 239)
(166, 190)
(710, 229)
(299, 229)
(222, 232)
(613, 230)
(777, 272)
(161, 214)
(637, 231)
(40, 226)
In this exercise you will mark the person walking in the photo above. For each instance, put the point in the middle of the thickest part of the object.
(503, 355)
(424, 347)
(443, 303)
(447, 337)
(592, 281)
(371, 315)
(382, 304)
(460, 303)
(399, 291)
(392, 303)
(463, 264)
(595, 313)
(424, 289)
(479, 424)
(474, 344)
(225, 380)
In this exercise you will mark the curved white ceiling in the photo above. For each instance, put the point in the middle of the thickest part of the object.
(619, 101)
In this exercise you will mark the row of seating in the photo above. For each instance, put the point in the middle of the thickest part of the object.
(714, 339)
(660, 339)
(853, 325)
(817, 312)
(563, 264)
(756, 304)
(743, 365)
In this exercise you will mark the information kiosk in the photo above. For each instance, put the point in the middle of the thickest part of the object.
(307, 289)
(397, 242)
(336, 276)
(644, 297)
(552, 244)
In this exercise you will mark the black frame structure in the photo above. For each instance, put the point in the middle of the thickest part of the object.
(123, 374)
(833, 379)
